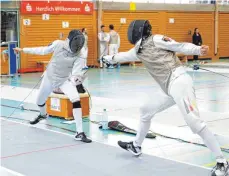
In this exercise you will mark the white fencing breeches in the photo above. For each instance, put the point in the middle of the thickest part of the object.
(103, 52)
(68, 89)
(181, 93)
(113, 49)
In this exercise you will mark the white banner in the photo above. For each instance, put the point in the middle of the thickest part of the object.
(55, 104)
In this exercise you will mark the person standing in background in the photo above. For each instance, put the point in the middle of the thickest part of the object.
(197, 40)
(84, 60)
(103, 43)
(114, 42)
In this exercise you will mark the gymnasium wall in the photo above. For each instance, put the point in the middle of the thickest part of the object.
(186, 18)
(223, 35)
(184, 23)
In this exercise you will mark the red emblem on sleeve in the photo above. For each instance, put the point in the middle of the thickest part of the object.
(166, 39)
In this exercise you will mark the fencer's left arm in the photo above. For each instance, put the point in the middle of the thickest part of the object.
(129, 56)
(166, 43)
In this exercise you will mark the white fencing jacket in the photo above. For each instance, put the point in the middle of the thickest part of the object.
(158, 54)
(63, 65)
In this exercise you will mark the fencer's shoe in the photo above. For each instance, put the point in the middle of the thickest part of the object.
(111, 67)
(82, 137)
(38, 119)
(129, 146)
(221, 169)
(85, 68)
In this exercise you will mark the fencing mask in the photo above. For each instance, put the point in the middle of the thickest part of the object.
(76, 40)
(138, 29)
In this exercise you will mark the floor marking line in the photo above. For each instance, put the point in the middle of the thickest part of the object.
(38, 151)
(10, 171)
(107, 144)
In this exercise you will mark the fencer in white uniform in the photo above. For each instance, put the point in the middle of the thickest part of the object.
(64, 71)
(114, 41)
(158, 54)
(103, 43)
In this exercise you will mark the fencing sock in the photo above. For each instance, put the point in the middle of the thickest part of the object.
(211, 142)
(142, 132)
(77, 113)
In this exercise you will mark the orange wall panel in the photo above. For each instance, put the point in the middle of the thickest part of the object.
(224, 35)
(187, 21)
(184, 22)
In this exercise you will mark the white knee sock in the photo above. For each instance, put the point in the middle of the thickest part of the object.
(43, 110)
(211, 142)
(77, 113)
(142, 132)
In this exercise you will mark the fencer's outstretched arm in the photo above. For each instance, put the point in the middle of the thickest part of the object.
(166, 43)
(41, 50)
(129, 56)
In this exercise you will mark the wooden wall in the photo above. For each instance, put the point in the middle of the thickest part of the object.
(223, 35)
(43, 32)
(184, 22)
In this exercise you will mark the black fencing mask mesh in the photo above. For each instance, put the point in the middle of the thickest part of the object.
(138, 29)
(76, 40)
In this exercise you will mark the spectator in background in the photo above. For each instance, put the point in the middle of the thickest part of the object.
(197, 40)
(103, 43)
(84, 60)
(114, 42)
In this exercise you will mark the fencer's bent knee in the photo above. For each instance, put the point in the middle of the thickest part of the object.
(76, 104)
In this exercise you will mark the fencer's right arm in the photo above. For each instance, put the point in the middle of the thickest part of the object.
(167, 43)
(129, 56)
(41, 50)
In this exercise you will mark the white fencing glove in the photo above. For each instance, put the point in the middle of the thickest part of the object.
(78, 79)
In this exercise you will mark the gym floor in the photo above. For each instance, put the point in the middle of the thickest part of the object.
(121, 92)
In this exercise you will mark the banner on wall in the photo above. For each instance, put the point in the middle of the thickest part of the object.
(56, 7)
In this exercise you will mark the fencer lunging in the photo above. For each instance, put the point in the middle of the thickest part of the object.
(103, 43)
(157, 53)
(64, 71)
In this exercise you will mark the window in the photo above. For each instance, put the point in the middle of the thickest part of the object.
(8, 26)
